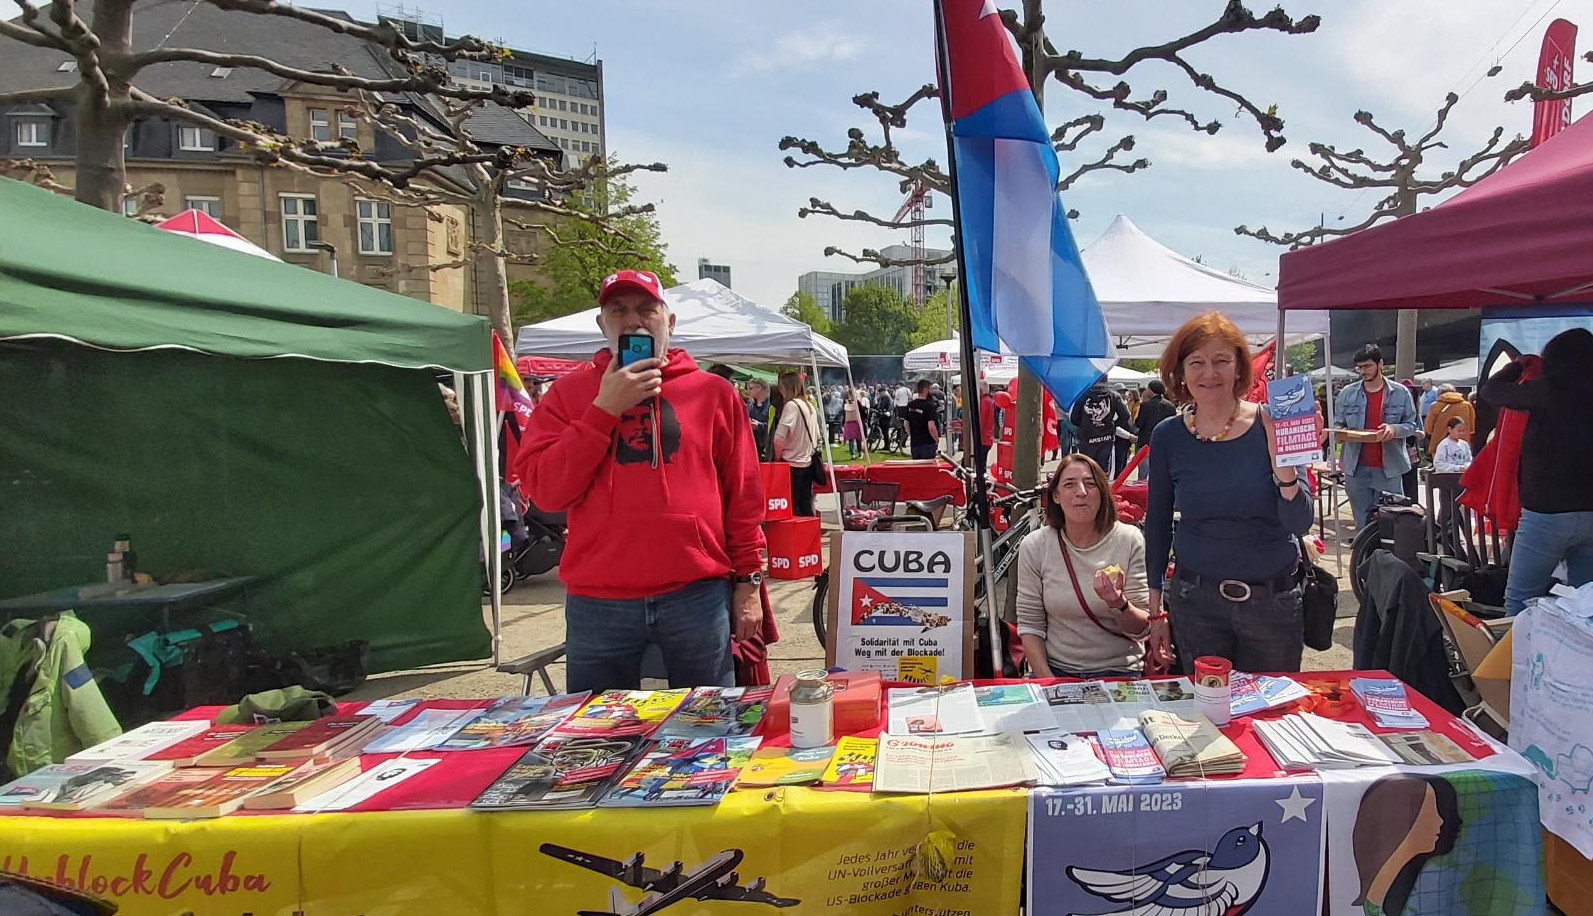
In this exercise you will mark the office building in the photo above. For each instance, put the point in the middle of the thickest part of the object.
(829, 287)
(707, 271)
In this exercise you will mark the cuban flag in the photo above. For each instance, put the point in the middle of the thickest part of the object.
(898, 600)
(1026, 285)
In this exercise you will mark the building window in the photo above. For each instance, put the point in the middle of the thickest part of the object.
(193, 139)
(542, 120)
(66, 66)
(300, 226)
(320, 125)
(376, 226)
(33, 132)
(210, 206)
(564, 124)
(347, 127)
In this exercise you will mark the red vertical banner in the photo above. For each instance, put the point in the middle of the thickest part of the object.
(1261, 372)
(1556, 63)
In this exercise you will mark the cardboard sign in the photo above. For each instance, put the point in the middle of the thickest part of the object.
(795, 548)
(1296, 428)
(901, 604)
(776, 489)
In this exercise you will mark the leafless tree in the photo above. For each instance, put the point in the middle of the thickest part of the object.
(1540, 94)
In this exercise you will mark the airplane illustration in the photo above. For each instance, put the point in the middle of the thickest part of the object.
(715, 879)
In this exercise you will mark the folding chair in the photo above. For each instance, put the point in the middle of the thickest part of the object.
(1473, 638)
(1463, 550)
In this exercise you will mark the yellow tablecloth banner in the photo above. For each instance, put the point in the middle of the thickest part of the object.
(832, 851)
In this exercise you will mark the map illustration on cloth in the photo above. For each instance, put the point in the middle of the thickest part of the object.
(900, 601)
(1177, 849)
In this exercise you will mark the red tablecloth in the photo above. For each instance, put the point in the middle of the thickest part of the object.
(920, 480)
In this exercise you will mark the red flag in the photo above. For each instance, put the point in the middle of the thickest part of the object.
(1556, 63)
(865, 598)
(1261, 372)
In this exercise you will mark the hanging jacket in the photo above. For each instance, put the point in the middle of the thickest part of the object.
(1492, 485)
(1397, 631)
(1449, 405)
(46, 685)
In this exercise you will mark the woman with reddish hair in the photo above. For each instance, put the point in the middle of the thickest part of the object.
(1235, 593)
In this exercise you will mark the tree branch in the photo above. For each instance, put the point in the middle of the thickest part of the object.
(381, 33)
(1106, 163)
(825, 208)
(1065, 144)
(35, 173)
(32, 96)
(1543, 94)
(871, 256)
(1315, 233)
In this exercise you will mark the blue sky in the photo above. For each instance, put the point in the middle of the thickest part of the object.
(710, 86)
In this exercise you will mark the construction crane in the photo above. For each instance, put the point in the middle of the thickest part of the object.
(913, 209)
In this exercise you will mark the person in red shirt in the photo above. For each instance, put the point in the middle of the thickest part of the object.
(1385, 416)
(656, 468)
(987, 421)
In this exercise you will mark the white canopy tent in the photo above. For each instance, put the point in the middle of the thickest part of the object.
(946, 356)
(711, 322)
(1462, 372)
(1147, 291)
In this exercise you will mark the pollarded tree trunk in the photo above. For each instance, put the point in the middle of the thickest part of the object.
(101, 114)
(492, 288)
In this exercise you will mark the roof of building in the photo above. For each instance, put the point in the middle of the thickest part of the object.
(493, 123)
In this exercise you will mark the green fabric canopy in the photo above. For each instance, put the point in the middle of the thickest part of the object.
(68, 270)
(138, 402)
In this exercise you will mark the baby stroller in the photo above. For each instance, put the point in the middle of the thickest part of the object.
(532, 541)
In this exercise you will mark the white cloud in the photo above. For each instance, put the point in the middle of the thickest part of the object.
(827, 43)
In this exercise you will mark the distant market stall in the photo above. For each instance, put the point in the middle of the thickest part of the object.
(239, 416)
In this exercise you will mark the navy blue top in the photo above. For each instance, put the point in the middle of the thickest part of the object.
(1233, 523)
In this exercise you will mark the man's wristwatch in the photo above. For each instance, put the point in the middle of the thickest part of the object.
(750, 579)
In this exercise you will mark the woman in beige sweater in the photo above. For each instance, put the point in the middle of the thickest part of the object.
(1089, 620)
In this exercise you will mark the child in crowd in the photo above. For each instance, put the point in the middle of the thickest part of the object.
(1454, 452)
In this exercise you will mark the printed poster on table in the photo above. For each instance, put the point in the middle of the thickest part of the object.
(1296, 428)
(1551, 699)
(1252, 847)
(901, 605)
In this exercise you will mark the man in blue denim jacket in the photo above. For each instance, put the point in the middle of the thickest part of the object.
(1377, 464)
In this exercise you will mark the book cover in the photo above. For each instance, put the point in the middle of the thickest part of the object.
(243, 749)
(303, 784)
(185, 752)
(1130, 757)
(1386, 700)
(96, 786)
(1296, 428)
(220, 795)
(623, 713)
(514, 722)
(711, 712)
(564, 771)
(165, 787)
(369, 784)
(319, 738)
(140, 743)
(1251, 693)
(428, 728)
(46, 779)
(389, 711)
(785, 766)
(683, 771)
(852, 767)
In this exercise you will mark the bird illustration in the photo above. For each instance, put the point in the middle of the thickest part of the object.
(1225, 882)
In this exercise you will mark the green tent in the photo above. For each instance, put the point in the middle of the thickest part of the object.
(245, 417)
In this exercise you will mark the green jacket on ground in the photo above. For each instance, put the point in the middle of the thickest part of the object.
(63, 711)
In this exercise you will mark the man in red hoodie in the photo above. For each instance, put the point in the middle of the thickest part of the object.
(656, 468)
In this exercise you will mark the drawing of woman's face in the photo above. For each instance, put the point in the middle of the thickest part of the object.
(1428, 826)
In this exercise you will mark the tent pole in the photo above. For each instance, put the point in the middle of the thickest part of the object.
(494, 518)
(1333, 451)
(1280, 355)
(824, 434)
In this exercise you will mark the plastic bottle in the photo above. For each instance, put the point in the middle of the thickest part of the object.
(115, 572)
(124, 546)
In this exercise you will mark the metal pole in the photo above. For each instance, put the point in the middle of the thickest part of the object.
(1333, 450)
(979, 495)
(824, 434)
(494, 518)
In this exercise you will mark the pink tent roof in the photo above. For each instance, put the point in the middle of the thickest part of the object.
(201, 225)
(1519, 236)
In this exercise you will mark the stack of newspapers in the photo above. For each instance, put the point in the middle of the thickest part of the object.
(1304, 741)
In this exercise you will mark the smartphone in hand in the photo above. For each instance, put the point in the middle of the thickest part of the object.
(633, 348)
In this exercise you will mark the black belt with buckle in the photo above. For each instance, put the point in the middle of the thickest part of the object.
(1237, 590)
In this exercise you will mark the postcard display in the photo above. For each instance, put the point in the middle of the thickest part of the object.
(902, 605)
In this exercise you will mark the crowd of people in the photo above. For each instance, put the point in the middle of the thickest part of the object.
(656, 464)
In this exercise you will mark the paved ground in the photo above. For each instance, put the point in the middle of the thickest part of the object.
(533, 618)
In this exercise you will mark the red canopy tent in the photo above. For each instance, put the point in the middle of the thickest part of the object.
(1521, 236)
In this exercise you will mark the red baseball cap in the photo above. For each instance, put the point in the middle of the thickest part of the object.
(625, 280)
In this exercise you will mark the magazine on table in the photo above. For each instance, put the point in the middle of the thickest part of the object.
(132, 803)
(1081, 707)
(1387, 702)
(389, 711)
(933, 711)
(1064, 759)
(74, 786)
(1305, 741)
(514, 722)
(1426, 749)
(623, 713)
(369, 784)
(711, 712)
(563, 771)
(854, 763)
(1129, 755)
(1251, 693)
(141, 743)
(1013, 708)
(786, 766)
(951, 763)
(429, 728)
(683, 771)
(1190, 747)
(1173, 695)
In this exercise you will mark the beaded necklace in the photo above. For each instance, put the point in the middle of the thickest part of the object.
(1189, 423)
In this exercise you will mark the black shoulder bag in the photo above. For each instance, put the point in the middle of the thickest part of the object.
(1319, 592)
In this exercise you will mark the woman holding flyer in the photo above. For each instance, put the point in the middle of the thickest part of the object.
(1236, 592)
(1081, 581)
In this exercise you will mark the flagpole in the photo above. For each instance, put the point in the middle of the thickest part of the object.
(979, 495)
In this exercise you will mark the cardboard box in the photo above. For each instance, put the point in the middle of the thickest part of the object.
(776, 490)
(857, 703)
(796, 548)
(1570, 876)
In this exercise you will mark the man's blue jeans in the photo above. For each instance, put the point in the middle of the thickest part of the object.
(1543, 539)
(923, 450)
(605, 638)
(1363, 486)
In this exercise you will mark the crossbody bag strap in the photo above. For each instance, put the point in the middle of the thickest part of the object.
(1078, 591)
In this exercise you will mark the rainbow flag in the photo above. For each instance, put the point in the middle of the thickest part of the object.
(512, 396)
